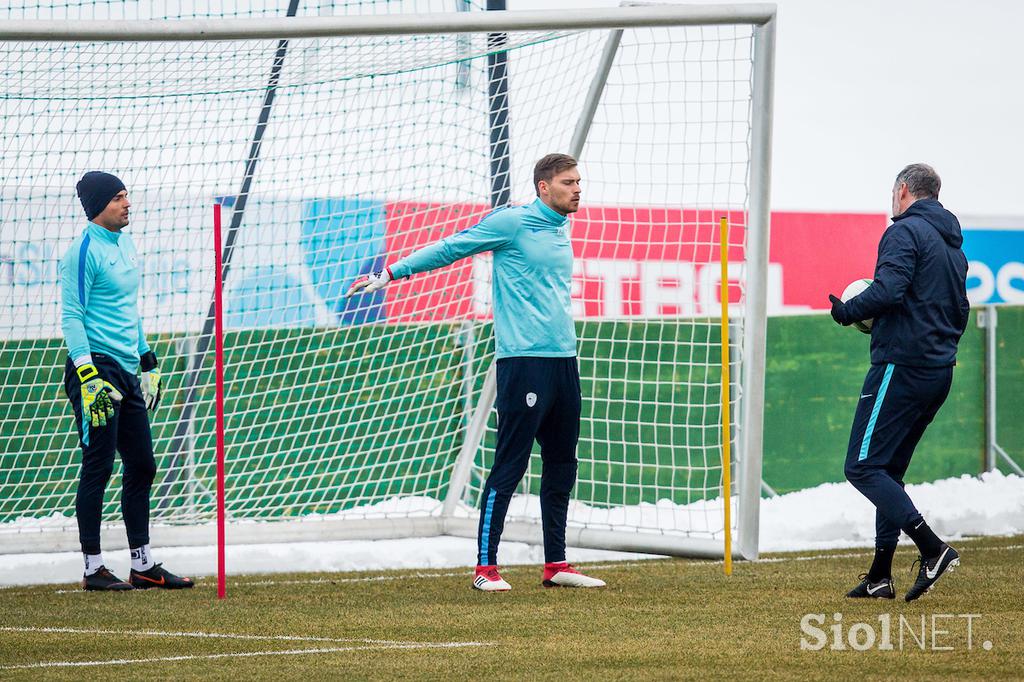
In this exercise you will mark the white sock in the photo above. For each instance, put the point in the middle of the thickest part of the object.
(93, 563)
(142, 559)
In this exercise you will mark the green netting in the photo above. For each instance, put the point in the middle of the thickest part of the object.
(303, 439)
(369, 148)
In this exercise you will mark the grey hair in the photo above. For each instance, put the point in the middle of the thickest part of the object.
(921, 179)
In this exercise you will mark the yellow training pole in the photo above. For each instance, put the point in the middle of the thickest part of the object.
(723, 257)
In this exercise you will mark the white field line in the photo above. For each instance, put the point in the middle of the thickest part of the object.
(322, 581)
(588, 566)
(367, 579)
(515, 569)
(244, 654)
(465, 573)
(200, 635)
(858, 555)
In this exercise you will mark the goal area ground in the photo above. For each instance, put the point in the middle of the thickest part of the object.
(657, 620)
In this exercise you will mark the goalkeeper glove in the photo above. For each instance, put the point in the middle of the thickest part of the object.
(152, 384)
(839, 313)
(372, 282)
(98, 396)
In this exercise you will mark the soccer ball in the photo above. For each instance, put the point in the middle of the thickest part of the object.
(855, 288)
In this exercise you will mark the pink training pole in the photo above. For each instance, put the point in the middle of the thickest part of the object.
(219, 373)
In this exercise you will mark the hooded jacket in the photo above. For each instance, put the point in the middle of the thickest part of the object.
(918, 298)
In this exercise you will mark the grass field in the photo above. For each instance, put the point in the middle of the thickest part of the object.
(665, 619)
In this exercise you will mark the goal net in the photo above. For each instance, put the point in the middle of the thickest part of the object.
(332, 155)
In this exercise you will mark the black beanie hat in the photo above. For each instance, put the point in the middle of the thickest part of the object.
(96, 189)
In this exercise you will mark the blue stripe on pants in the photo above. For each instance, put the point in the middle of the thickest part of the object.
(485, 533)
(866, 443)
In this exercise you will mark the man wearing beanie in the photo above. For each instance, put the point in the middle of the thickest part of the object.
(106, 351)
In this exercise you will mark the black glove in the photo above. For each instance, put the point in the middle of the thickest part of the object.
(148, 361)
(839, 313)
(152, 383)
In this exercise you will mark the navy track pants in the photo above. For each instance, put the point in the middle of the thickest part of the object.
(897, 403)
(126, 432)
(537, 399)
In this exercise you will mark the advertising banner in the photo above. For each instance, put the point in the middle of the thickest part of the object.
(294, 259)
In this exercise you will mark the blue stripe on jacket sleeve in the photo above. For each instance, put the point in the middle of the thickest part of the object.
(83, 254)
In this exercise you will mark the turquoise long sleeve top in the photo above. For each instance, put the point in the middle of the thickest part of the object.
(531, 282)
(99, 278)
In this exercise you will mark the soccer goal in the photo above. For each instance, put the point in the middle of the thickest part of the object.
(333, 145)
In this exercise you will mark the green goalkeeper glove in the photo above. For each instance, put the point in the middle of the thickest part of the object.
(152, 384)
(98, 396)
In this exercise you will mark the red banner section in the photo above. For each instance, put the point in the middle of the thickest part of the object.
(642, 262)
(820, 253)
(445, 293)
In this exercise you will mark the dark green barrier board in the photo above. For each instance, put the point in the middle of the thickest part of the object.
(319, 422)
(812, 389)
(287, 419)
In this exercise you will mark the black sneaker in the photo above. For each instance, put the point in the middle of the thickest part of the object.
(104, 580)
(883, 589)
(931, 570)
(158, 577)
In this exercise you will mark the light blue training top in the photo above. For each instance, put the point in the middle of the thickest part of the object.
(531, 282)
(99, 278)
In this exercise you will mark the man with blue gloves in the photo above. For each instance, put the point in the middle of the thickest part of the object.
(106, 350)
(918, 301)
(538, 383)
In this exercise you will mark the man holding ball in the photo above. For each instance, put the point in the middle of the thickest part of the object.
(918, 301)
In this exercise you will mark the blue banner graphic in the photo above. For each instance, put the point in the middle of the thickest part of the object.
(996, 265)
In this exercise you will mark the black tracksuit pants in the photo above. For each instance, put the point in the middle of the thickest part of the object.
(537, 399)
(897, 404)
(126, 432)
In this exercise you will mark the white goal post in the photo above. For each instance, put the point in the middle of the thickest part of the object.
(335, 144)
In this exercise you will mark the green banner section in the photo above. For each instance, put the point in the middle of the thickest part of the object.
(320, 421)
(814, 374)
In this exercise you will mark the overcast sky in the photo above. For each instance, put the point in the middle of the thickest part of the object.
(865, 87)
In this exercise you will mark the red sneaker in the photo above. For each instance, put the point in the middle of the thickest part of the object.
(562, 574)
(487, 579)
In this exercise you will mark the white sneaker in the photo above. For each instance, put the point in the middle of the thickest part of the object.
(487, 579)
(563, 574)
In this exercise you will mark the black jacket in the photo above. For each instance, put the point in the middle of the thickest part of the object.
(919, 295)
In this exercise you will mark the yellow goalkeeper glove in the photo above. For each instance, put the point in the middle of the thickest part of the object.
(98, 396)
